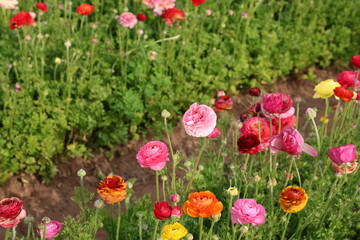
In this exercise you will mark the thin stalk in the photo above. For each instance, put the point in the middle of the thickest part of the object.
(118, 221)
(96, 220)
(201, 222)
(157, 186)
(163, 190)
(230, 204)
(7, 233)
(196, 165)
(28, 232)
(155, 230)
(211, 229)
(297, 114)
(173, 179)
(140, 228)
(297, 171)
(289, 172)
(288, 216)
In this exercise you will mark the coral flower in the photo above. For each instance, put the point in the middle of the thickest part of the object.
(276, 103)
(197, 2)
(52, 229)
(11, 212)
(42, 7)
(223, 103)
(325, 89)
(172, 15)
(344, 158)
(162, 210)
(247, 211)
(20, 19)
(199, 120)
(8, 4)
(153, 155)
(202, 204)
(347, 79)
(174, 231)
(85, 9)
(128, 20)
(112, 189)
(248, 144)
(293, 199)
(355, 61)
(344, 94)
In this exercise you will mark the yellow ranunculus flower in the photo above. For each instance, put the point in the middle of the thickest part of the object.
(293, 199)
(325, 89)
(173, 232)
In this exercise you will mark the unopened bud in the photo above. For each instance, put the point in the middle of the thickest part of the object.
(289, 176)
(67, 44)
(232, 191)
(46, 220)
(244, 229)
(187, 163)
(81, 173)
(310, 113)
(28, 219)
(257, 178)
(201, 167)
(99, 203)
(164, 178)
(57, 60)
(175, 198)
(243, 167)
(338, 175)
(297, 99)
(272, 182)
(189, 236)
(165, 114)
(140, 214)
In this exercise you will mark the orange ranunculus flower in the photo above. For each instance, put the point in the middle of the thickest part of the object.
(112, 189)
(202, 204)
(293, 199)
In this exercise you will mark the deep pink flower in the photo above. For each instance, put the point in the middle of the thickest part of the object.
(199, 120)
(290, 140)
(214, 134)
(344, 158)
(11, 212)
(128, 20)
(176, 211)
(175, 198)
(277, 103)
(153, 155)
(52, 229)
(247, 211)
(347, 79)
(162, 210)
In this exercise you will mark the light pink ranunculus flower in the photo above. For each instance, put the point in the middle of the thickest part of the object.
(344, 158)
(247, 211)
(128, 20)
(290, 140)
(52, 229)
(153, 155)
(8, 4)
(277, 103)
(161, 5)
(214, 134)
(199, 120)
(11, 212)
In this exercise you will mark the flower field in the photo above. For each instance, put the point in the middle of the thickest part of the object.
(210, 146)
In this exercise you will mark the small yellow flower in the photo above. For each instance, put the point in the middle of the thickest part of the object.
(325, 89)
(232, 191)
(324, 120)
(57, 60)
(173, 232)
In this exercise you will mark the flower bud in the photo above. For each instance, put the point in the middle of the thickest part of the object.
(140, 214)
(57, 60)
(272, 182)
(310, 113)
(315, 177)
(164, 178)
(187, 163)
(244, 229)
(81, 173)
(338, 175)
(257, 178)
(67, 44)
(28, 219)
(297, 99)
(189, 236)
(46, 220)
(99, 203)
(232, 191)
(254, 91)
(165, 114)
(175, 198)
(220, 93)
(243, 117)
(243, 167)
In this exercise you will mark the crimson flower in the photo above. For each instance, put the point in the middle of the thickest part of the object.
(162, 210)
(141, 17)
(172, 15)
(355, 61)
(248, 144)
(197, 2)
(20, 19)
(42, 7)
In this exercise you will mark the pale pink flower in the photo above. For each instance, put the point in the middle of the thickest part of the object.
(52, 229)
(153, 155)
(214, 134)
(231, 12)
(244, 14)
(290, 140)
(159, 6)
(247, 211)
(208, 12)
(33, 15)
(277, 103)
(128, 20)
(176, 211)
(199, 120)
(152, 55)
(8, 4)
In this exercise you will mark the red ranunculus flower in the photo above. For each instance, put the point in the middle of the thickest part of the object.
(20, 19)
(162, 210)
(42, 7)
(197, 2)
(85, 9)
(254, 91)
(344, 94)
(355, 61)
(141, 17)
(248, 144)
(172, 15)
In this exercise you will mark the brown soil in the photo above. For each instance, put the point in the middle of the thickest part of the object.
(53, 200)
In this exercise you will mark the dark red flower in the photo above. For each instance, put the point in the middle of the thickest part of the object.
(244, 116)
(42, 7)
(254, 110)
(20, 19)
(222, 103)
(254, 91)
(197, 2)
(172, 15)
(162, 210)
(85, 9)
(141, 17)
(248, 144)
(344, 94)
(355, 61)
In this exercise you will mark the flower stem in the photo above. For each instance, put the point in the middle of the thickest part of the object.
(297, 171)
(196, 165)
(211, 229)
(28, 232)
(173, 182)
(230, 204)
(140, 228)
(118, 221)
(157, 186)
(289, 172)
(201, 220)
(7, 233)
(156, 227)
(286, 225)
(163, 190)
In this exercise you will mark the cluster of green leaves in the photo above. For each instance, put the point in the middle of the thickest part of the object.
(105, 93)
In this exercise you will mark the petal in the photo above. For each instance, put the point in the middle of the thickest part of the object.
(309, 150)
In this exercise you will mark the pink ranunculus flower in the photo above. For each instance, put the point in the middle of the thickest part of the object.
(344, 158)
(176, 211)
(214, 134)
(199, 120)
(52, 229)
(11, 212)
(277, 103)
(159, 6)
(8, 4)
(347, 79)
(153, 155)
(290, 140)
(247, 211)
(128, 20)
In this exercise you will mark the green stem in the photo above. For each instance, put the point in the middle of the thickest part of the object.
(28, 232)
(118, 221)
(230, 205)
(173, 182)
(297, 171)
(201, 220)
(157, 186)
(196, 165)
(155, 230)
(211, 229)
(286, 225)
(7, 233)
(96, 220)
(163, 190)
(289, 172)
(140, 228)
(297, 114)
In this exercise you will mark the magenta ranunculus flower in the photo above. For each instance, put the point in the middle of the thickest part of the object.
(199, 120)
(11, 212)
(277, 103)
(153, 155)
(247, 211)
(52, 229)
(214, 134)
(344, 158)
(176, 211)
(347, 79)
(128, 20)
(290, 140)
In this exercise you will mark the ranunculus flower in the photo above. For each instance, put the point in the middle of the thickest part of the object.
(112, 189)
(199, 120)
(289, 121)
(153, 155)
(293, 199)
(223, 103)
(248, 144)
(202, 204)
(254, 91)
(8, 4)
(85, 9)
(159, 6)
(347, 79)
(325, 89)
(290, 140)
(176, 211)
(197, 2)
(174, 231)
(172, 15)
(128, 20)
(11, 212)
(20, 19)
(276, 103)
(344, 158)
(162, 210)
(52, 229)
(42, 7)
(355, 61)
(247, 211)
(141, 17)
(175, 198)
(344, 94)
(214, 134)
